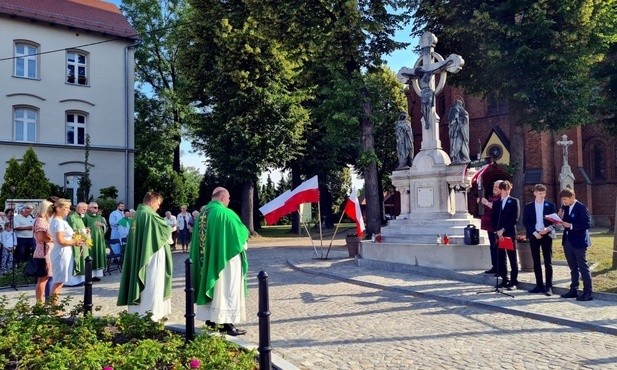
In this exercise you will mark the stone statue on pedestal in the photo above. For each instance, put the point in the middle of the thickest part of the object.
(404, 141)
(458, 122)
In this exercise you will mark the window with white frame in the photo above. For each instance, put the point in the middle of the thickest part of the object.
(76, 68)
(25, 120)
(26, 60)
(75, 128)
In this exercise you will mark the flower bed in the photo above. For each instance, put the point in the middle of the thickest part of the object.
(35, 338)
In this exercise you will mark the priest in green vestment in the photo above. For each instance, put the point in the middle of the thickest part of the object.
(97, 226)
(218, 251)
(147, 271)
(76, 222)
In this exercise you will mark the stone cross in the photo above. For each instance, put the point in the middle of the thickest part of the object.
(566, 177)
(422, 79)
(565, 143)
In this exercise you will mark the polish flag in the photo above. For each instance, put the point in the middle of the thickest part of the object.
(352, 209)
(276, 208)
(307, 192)
(478, 175)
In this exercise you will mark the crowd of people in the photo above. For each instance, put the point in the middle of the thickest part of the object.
(58, 241)
(540, 218)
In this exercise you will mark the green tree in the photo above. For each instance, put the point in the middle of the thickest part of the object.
(159, 24)
(85, 184)
(267, 191)
(536, 54)
(33, 183)
(252, 114)
(12, 177)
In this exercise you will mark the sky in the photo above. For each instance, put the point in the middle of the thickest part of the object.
(398, 59)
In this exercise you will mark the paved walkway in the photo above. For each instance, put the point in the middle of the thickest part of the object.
(332, 314)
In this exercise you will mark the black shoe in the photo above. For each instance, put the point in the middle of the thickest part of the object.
(230, 329)
(537, 289)
(584, 297)
(210, 324)
(503, 284)
(570, 294)
(491, 271)
(96, 279)
(511, 285)
(548, 291)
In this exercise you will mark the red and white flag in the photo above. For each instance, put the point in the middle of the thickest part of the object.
(352, 209)
(478, 175)
(276, 208)
(307, 192)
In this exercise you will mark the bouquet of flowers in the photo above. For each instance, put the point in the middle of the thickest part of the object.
(83, 235)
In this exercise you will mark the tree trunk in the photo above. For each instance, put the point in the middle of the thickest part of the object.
(615, 240)
(247, 206)
(382, 208)
(371, 186)
(177, 139)
(296, 228)
(517, 159)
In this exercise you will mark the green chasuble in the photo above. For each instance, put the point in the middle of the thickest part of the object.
(97, 252)
(76, 223)
(149, 233)
(218, 236)
(124, 222)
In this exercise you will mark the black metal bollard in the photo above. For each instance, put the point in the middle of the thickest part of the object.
(88, 287)
(265, 359)
(190, 307)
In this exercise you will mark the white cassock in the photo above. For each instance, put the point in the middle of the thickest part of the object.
(151, 298)
(228, 301)
(74, 279)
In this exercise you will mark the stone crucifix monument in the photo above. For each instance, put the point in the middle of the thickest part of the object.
(566, 177)
(433, 191)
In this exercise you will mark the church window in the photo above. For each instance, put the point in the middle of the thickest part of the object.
(597, 161)
(75, 128)
(76, 68)
(495, 105)
(26, 60)
(25, 122)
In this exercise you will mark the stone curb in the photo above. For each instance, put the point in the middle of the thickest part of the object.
(460, 301)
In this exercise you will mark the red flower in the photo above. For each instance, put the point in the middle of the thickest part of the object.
(194, 364)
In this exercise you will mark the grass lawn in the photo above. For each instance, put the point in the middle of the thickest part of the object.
(601, 252)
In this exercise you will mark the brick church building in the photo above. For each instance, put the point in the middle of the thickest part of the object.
(592, 156)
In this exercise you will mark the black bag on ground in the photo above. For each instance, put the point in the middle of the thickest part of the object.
(472, 235)
(36, 267)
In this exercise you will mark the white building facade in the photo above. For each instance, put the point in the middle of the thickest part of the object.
(67, 71)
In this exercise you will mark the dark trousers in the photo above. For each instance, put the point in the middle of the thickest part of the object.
(546, 245)
(502, 267)
(577, 261)
(25, 248)
(492, 239)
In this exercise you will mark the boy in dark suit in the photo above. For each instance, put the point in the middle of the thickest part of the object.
(540, 233)
(504, 218)
(576, 221)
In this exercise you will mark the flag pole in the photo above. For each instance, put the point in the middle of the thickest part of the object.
(334, 235)
(307, 232)
(320, 231)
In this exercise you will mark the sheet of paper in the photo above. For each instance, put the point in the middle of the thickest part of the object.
(554, 218)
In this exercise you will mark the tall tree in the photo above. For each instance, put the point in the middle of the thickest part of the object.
(251, 116)
(159, 26)
(536, 54)
(12, 177)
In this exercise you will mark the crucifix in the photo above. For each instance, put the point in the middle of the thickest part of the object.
(422, 79)
(565, 143)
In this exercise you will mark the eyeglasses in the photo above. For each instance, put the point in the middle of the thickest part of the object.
(94, 207)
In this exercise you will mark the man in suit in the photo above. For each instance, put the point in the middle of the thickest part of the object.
(576, 221)
(540, 233)
(504, 218)
(486, 224)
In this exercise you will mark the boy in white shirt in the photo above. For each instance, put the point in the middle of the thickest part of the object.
(7, 237)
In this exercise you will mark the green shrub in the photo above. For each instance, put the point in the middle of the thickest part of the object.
(33, 337)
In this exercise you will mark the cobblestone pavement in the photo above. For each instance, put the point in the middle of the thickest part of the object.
(334, 315)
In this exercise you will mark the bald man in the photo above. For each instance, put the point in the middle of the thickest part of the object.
(218, 250)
